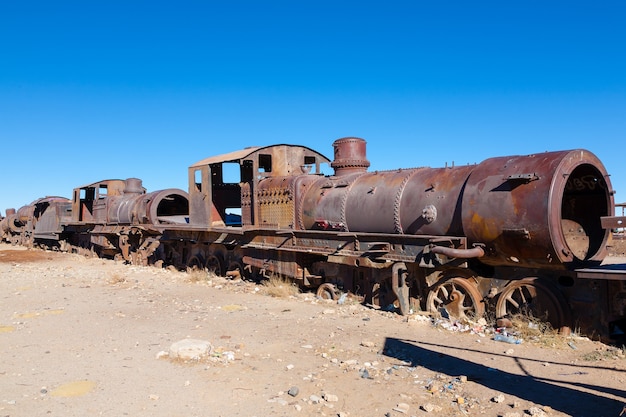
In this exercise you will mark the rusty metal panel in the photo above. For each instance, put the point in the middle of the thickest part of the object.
(229, 157)
(246, 204)
(52, 214)
(539, 210)
(323, 203)
(276, 202)
(612, 272)
(414, 201)
(613, 222)
(286, 159)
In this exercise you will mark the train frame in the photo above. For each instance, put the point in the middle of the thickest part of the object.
(514, 235)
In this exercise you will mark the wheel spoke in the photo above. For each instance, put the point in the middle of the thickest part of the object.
(459, 296)
(522, 296)
(512, 301)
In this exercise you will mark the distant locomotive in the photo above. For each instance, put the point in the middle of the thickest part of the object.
(41, 221)
(518, 234)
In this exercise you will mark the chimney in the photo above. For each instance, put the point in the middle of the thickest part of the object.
(349, 156)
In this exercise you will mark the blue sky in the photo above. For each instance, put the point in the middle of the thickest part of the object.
(116, 89)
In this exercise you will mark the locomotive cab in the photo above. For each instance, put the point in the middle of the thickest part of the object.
(90, 200)
(224, 190)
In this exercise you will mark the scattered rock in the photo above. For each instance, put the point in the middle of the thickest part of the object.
(293, 391)
(402, 408)
(331, 398)
(537, 412)
(162, 354)
(434, 387)
(429, 408)
(190, 349)
(498, 399)
(314, 399)
(227, 356)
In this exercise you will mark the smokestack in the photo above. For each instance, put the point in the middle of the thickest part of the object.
(133, 186)
(349, 156)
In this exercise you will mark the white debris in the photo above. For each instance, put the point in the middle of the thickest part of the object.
(402, 408)
(190, 349)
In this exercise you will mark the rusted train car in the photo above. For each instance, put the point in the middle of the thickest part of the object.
(41, 222)
(517, 234)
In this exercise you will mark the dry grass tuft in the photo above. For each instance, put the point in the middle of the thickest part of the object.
(605, 353)
(279, 288)
(197, 275)
(117, 279)
(538, 332)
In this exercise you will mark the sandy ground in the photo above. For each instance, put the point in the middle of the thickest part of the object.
(90, 337)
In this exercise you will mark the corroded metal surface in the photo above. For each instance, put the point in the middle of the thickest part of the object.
(539, 210)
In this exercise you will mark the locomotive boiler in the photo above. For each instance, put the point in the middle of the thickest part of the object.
(539, 210)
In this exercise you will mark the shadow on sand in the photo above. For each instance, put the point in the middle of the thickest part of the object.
(573, 398)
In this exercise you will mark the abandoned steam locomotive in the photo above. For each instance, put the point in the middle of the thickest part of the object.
(517, 234)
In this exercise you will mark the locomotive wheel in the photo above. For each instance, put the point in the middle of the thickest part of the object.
(460, 298)
(214, 265)
(195, 263)
(535, 298)
(327, 291)
(383, 296)
(236, 270)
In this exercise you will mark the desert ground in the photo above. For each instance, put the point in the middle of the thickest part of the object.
(93, 337)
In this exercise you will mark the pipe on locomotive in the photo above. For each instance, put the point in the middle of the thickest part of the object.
(475, 252)
(539, 210)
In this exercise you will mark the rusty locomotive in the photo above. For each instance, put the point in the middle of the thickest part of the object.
(517, 234)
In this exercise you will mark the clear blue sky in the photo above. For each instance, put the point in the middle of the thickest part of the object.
(115, 89)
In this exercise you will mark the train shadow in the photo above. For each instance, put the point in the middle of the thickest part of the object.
(573, 398)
